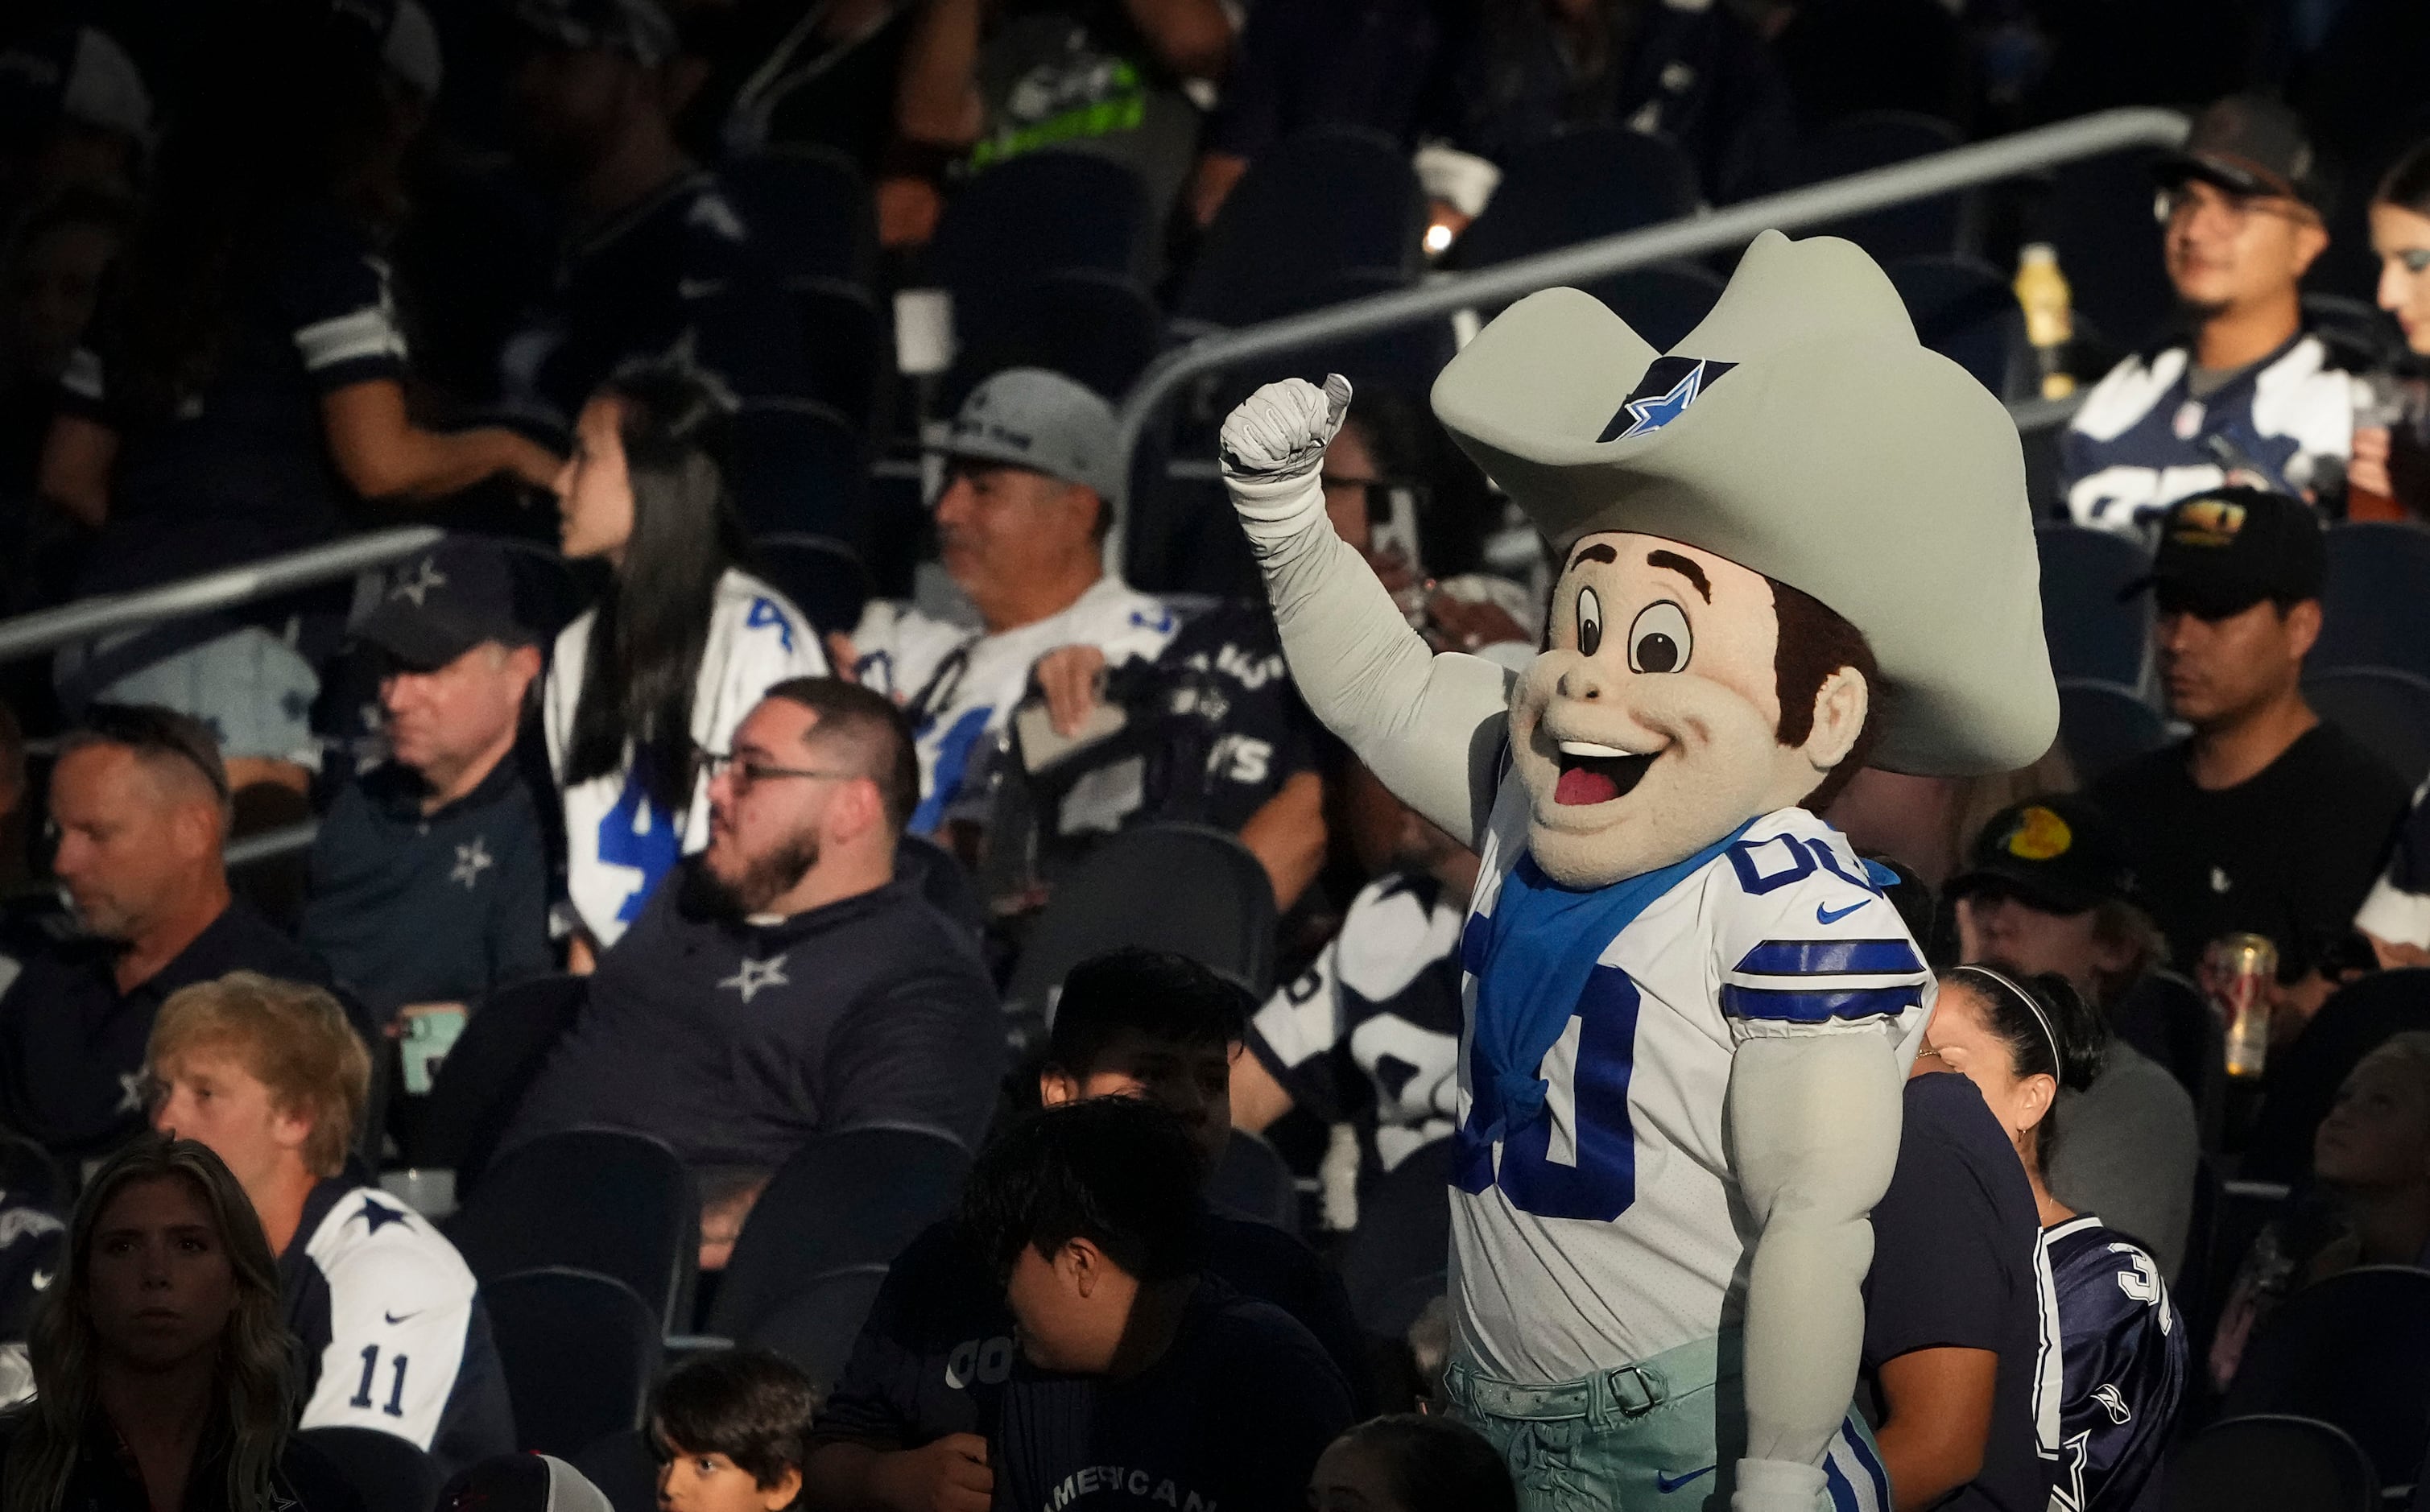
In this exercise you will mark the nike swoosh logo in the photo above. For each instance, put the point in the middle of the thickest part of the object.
(1668, 1484)
(1832, 916)
(398, 1317)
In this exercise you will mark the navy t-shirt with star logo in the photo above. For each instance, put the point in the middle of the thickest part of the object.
(737, 1041)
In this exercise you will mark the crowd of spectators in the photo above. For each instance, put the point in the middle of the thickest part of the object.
(273, 271)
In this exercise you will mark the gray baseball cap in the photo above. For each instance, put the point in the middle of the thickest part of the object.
(1043, 420)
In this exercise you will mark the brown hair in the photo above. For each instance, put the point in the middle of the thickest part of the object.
(875, 728)
(1814, 643)
(292, 1039)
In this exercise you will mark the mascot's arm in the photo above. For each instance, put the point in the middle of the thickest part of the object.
(1429, 725)
(1814, 1133)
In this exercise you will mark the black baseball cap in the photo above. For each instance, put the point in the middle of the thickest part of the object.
(2248, 144)
(2223, 551)
(2058, 853)
(438, 605)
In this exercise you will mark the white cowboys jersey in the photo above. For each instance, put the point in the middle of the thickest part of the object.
(960, 685)
(1606, 1232)
(617, 843)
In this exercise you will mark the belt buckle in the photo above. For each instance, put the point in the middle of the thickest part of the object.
(1649, 1388)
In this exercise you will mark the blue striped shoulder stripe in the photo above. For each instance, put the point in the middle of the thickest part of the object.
(1793, 994)
(1830, 958)
(1790, 1006)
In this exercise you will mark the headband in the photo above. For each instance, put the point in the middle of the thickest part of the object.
(2050, 1036)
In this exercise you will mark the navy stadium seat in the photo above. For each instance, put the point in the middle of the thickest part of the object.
(1039, 213)
(579, 1351)
(608, 1201)
(1252, 1180)
(1662, 301)
(1404, 359)
(1964, 310)
(1575, 186)
(2090, 632)
(2354, 1351)
(799, 466)
(2375, 611)
(944, 881)
(823, 577)
(1318, 205)
(844, 340)
(2098, 217)
(2101, 726)
(624, 1470)
(855, 1197)
(479, 1085)
(2270, 1463)
(1878, 139)
(809, 210)
(389, 1473)
(815, 1326)
(1403, 1240)
(2305, 1077)
(1094, 328)
(2387, 711)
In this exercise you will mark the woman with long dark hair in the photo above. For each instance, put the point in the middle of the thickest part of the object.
(161, 1363)
(678, 650)
(2389, 473)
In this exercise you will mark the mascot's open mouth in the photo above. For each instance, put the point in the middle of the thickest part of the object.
(1592, 773)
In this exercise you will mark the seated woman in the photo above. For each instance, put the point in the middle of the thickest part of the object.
(161, 1366)
(2123, 1368)
(2369, 1204)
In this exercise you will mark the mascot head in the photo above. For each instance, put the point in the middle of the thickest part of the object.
(1797, 543)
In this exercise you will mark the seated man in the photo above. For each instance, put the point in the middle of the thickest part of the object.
(927, 1369)
(140, 800)
(787, 984)
(2247, 396)
(429, 875)
(272, 1077)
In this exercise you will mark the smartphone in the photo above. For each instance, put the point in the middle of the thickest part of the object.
(425, 1032)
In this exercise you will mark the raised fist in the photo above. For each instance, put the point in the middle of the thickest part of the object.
(1281, 431)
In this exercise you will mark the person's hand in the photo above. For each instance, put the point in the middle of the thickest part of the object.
(531, 463)
(1068, 676)
(2395, 955)
(950, 1476)
(908, 208)
(1460, 625)
(843, 656)
(2366, 469)
(2292, 1004)
(1272, 449)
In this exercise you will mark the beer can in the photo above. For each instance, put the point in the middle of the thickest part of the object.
(2239, 969)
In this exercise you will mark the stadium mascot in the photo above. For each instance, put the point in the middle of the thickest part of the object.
(1796, 544)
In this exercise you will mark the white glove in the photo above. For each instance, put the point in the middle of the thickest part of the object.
(1777, 1485)
(1272, 448)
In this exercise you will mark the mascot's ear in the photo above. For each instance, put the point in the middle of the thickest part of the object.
(1839, 708)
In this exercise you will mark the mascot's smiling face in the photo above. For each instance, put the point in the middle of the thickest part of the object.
(1653, 725)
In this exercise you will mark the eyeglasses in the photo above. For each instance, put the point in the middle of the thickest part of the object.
(2184, 201)
(748, 773)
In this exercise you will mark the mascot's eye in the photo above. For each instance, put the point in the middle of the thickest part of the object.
(1659, 641)
(1590, 622)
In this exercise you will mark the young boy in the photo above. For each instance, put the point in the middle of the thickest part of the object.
(1142, 1381)
(734, 1428)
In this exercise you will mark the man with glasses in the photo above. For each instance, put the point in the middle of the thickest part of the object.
(788, 983)
(2241, 394)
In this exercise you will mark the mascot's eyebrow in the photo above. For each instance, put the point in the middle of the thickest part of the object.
(1597, 552)
(1682, 566)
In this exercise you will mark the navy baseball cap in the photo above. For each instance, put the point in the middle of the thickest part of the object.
(2248, 144)
(436, 607)
(2058, 853)
(2223, 551)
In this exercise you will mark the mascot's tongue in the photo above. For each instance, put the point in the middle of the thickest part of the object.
(1584, 783)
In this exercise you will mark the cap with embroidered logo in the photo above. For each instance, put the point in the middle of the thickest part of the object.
(2058, 853)
(437, 605)
(1044, 422)
(2221, 552)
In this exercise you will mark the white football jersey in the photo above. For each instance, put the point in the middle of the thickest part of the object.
(1609, 1230)
(617, 845)
(960, 685)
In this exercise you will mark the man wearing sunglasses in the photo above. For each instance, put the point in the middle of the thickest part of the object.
(2238, 392)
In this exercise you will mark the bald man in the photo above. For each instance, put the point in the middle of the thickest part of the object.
(139, 801)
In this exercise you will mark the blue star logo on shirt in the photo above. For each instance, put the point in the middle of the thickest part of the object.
(1671, 384)
(375, 1217)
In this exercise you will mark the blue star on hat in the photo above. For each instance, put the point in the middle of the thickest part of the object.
(1669, 385)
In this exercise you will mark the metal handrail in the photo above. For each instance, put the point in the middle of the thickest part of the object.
(30, 634)
(1983, 162)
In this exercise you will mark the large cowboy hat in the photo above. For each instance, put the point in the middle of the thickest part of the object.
(1803, 432)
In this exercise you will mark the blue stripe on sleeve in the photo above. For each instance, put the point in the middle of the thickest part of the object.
(1830, 958)
(1817, 1007)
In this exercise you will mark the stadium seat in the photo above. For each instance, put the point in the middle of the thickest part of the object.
(2366, 332)
(1878, 139)
(2305, 1077)
(389, 1473)
(1575, 186)
(1404, 359)
(2098, 217)
(2167, 1018)
(815, 1326)
(505, 1040)
(579, 1351)
(2089, 631)
(30, 1177)
(1189, 888)
(944, 881)
(1096, 327)
(851, 1198)
(548, 593)
(1404, 1237)
(1662, 301)
(809, 210)
(2354, 1351)
(844, 339)
(2375, 611)
(1042, 212)
(823, 577)
(2103, 725)
(1267, 255)
(607, 1201)
(2388, 711)
(1252, 1180)
(1964, 310)
(799, 466)
(2270, 1463)
(624, 1470)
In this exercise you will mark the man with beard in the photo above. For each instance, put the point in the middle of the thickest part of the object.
(790, 984)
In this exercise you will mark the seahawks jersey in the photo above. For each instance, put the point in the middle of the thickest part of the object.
(618, 844)
(393, 1333)
(1608, 1230)
(2143, 441)
(2124, 1350)
(959, 686)
(1387, 990)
